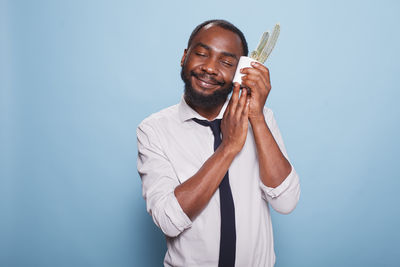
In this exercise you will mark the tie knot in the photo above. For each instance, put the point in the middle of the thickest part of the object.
(215, 125)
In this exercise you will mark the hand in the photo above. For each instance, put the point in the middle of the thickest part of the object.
(258, 81)
(234, 124)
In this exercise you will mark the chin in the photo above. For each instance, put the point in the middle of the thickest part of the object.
(202, 96)
(206, 98)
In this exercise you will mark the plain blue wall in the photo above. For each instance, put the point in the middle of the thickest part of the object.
(77, 77)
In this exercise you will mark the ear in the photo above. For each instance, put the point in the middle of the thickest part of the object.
(183, 57)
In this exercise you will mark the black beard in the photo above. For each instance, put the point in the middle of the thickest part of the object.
(197, 99)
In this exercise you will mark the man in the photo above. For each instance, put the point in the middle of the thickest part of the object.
(210, 196)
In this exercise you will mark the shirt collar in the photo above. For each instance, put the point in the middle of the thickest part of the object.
(187, 113)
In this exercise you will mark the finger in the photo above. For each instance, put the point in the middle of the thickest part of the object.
(262, 68)
(256, 66)
(245, 112)
(227, 110)
(242, 103)
(255, 72)
(257, 87)
(257, 81)
(234, 98)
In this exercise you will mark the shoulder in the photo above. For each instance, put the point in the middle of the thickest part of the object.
(161, 118)
(159, 127)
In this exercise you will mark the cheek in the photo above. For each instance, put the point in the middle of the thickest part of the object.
(189, 66)
(192, 65)
(192, 61)
(228, 75)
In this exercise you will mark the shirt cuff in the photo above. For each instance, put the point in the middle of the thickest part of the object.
(176, 215)
(274, 192)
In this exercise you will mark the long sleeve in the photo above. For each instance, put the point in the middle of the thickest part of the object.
(172, 148)
(158, 182)
(284, 197)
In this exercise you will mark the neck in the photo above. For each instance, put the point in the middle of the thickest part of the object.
(208, 113)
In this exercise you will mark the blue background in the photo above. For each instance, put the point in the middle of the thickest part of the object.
(77, 77)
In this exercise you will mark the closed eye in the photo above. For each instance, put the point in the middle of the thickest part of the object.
(227, 63)
(200, 54)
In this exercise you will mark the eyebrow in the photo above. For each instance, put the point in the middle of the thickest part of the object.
(223, 52)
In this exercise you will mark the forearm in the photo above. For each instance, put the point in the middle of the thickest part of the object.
(194, 194)
(274, 167)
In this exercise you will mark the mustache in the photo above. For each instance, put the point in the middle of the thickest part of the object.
(207, 77)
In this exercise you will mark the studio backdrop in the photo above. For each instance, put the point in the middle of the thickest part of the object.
(77, 77)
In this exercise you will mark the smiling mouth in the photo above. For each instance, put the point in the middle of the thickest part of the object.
(206, 83)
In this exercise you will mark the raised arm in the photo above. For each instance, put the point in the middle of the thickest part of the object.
(194, 194)
(274, 166)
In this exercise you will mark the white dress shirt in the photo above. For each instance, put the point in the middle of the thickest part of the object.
(172, 148)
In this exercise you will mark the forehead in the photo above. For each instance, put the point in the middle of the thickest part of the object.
(219, 39)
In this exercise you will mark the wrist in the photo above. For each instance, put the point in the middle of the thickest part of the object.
(228, 150)
(257, 119)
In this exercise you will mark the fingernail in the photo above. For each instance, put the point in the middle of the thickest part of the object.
(253, 63)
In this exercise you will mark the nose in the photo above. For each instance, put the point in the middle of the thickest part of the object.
(210, 66)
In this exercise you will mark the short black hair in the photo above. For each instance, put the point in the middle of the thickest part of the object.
(225, 25)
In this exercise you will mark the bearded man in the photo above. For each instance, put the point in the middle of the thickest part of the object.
(211, 167)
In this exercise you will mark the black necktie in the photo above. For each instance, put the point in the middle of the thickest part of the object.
(227, 245)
